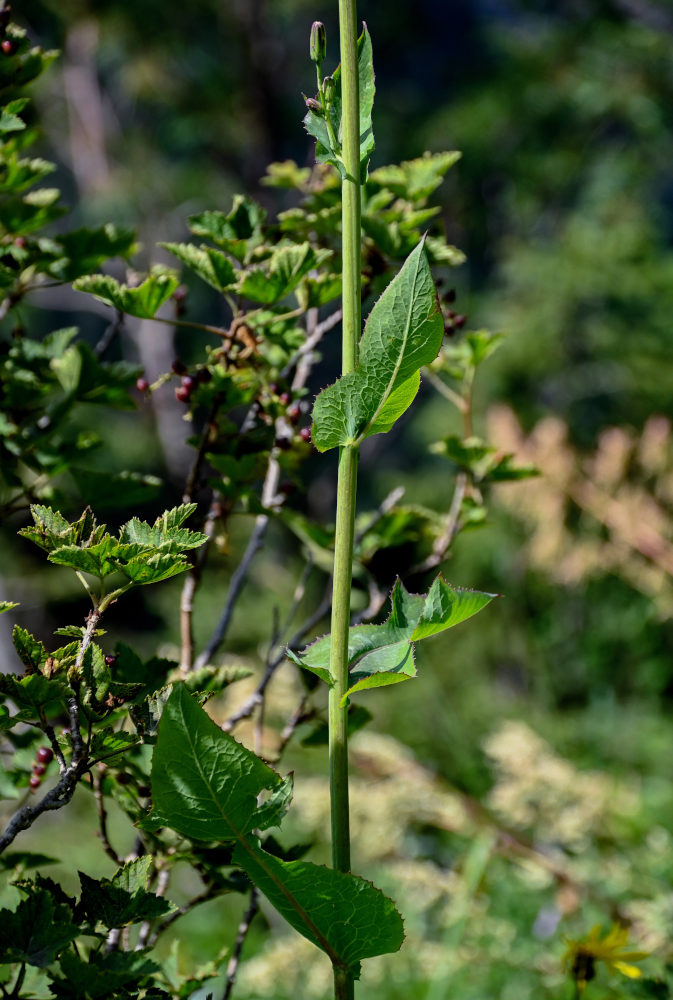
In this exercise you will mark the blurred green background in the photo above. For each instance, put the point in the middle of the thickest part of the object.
(553, 710)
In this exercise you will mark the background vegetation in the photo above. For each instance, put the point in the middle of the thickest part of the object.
(535, 800)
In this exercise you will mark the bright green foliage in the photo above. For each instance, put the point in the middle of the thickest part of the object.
(343, 914)
(143, 553)
(205, 786)
(484, 463)
(404, 331)
(211, 265)
(328, 141)
(379, 655)
(124, 899)
(204, 783)
(143, 300)
(239, 232)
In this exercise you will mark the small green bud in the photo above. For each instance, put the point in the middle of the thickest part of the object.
(329, 90)
(318, 45)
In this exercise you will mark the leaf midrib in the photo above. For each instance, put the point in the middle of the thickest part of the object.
(398, 364)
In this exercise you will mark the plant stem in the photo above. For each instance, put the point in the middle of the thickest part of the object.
(348, 459)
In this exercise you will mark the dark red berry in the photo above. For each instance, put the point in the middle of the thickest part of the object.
(203, 375)
(20, 242)
(144, 791)
(180, 294)
(142, 385)
(293, 413)
(189, 383)
(305, 434)
(122, 778)
(450, 295)
(7, 47)
(287, 488)
(284, 443)
(459, 320)
(39, 769)
(182, 394)
(110, 659)
(179, 367)
(35, 782)
(284, 398)
(44, 755)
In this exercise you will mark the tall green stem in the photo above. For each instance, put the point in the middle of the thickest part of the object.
(348, 459)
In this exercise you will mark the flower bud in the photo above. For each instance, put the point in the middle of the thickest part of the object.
(329, 90)
(314, 106)
(318, 44)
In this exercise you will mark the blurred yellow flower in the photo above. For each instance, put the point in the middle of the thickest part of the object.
(581, 955)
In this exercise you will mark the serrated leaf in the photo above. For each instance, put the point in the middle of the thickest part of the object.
(204, 783)
(404, 332)
(102, 975)
(239, 232)
(30, 650)
(271, 812)
(154, 568)
(415, 179)
(111, 746)
(205, 786)
(85, 250)
(36, 931)
(98, 560)
(211, 265)
(281, 274)
(343, 914)
(143, 300)
(34, 693)
(9, 115)
(212, 680)
(123, 899)
(380, 655)
(50, 530)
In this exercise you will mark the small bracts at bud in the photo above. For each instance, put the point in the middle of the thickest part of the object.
(318, 43)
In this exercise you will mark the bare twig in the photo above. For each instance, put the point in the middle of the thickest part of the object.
(255, 699)
(163, 878)
(109, 334)
(443, 542)
(240, 575)
(96, 780)
(241, 935)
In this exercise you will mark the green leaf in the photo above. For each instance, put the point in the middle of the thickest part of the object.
(36, 931)
(85, 250)
(111, 746)
(204, 784)
(238, 233)
(404, 332)
(50, 530)
(124, 899)
(30, 650)
(9, 115)
(343, 914)
(98, 560)
(34, 693)
(380, 655)
(154, 568)
(210, 265)
(271, 812)
(7, 606)
(415, 179)
(316, 125)
(101, 975)
(281, 273)
(143, 300)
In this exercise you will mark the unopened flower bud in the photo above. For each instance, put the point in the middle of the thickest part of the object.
(329, 90)
(318, 45)
(314, 106)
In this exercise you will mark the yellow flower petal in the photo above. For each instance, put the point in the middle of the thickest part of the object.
(632, 971)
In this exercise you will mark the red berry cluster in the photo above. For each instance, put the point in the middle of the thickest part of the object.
(188, 383)
(43, 758)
